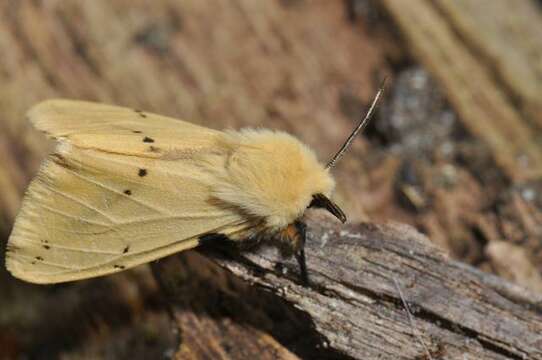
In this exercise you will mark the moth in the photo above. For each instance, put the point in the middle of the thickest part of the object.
(125, 187)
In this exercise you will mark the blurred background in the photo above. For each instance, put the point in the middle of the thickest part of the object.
(455, 148)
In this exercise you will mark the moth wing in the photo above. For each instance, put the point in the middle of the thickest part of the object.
(92, 211)
(120, 130)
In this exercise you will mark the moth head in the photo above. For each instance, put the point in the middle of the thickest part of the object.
(321, 201)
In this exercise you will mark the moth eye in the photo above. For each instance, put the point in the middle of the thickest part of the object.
(321, 201)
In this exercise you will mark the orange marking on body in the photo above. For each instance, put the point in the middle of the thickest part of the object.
(291, 231)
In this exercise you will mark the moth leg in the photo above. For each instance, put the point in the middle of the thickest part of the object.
(293, 243)
(300, 257)
(251, 242)
(300, 252)
(223, 241)
(212, 239)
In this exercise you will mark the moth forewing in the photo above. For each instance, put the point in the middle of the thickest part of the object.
(94, 210)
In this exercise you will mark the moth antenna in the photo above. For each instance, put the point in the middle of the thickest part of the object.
(362, 124)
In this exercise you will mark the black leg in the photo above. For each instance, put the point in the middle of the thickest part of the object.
(300, 257)
(300, 251)
(295, 244)
(223, 242)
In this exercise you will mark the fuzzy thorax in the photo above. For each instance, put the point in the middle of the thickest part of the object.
(271, 175)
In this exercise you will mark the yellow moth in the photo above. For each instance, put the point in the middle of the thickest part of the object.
(125, 187)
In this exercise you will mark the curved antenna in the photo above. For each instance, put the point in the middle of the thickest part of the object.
(362, 124)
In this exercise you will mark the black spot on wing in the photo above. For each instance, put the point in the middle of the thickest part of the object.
(127, 192)
(140, 113)
(142, 172)
(126, 249)
(119, 266)
(39, 258)
(147, 139)
(136, 131)
(46, 247)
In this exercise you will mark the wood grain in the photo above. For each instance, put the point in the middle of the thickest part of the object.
(353, 300)
(470, 47)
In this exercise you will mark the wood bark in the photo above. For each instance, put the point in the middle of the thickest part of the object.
(359, 277)
(486, 68)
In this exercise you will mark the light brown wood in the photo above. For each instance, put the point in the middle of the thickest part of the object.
(358, 274)
(481, 54)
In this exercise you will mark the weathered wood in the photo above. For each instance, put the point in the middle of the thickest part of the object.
(354, 299)
(218, 316)
(506, 38)
(473, 55)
